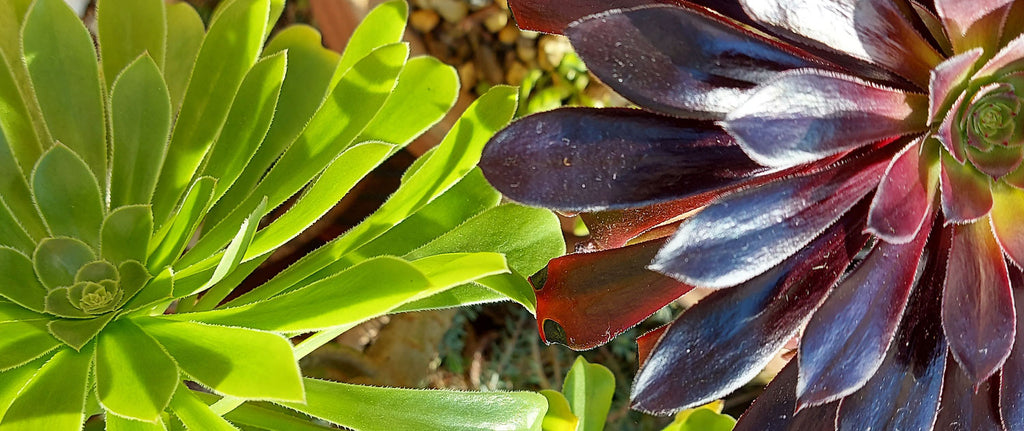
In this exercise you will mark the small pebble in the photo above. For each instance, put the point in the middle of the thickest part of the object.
(467, 75)
(424, 20)
(452, 11)
(552, 49)
(496, 21)
(509, 34)
(515, 73)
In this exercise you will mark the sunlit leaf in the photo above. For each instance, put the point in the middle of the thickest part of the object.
(61, 180)
(195, 414)
(135, 377)
(127, 29)
(589, 389)
(54, 399)
(185, 33)
(383, 25)
(23, 341)
(125, 234)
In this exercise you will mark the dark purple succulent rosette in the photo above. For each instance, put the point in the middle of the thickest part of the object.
(775, 140)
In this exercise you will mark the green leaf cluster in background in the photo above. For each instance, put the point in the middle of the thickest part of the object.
(584, 401)
(134, 185)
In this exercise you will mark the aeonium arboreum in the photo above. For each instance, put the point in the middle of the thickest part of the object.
(132, 186)
(777, 140)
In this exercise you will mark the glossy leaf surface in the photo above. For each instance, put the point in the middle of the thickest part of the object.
(966, 404)
(847, 338)
(729, 336)
(585, 159)
(966, 192)
(413, 409)
(580, 301)
(775, 409)
(903, 201)
(977, 302)
(746, 233)
(679, 61)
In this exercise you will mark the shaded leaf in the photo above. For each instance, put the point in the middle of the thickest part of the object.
(140, 121)
(22, 341)
(128, 28)
(1011, 375)
(416, 409)
(966, 192)
(18, 282)
(62, 180)
(195, 414)
(54, 399)
(77, 333)
(22, 121)
(57, 260)
(967, 404)
(135, 377)
(775, 409)
(125, 234)
(171, 239)
(1006, 204)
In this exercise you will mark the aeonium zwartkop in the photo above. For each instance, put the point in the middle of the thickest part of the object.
(777, 139)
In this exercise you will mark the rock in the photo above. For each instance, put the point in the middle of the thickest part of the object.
(452, 11)
(495, 21)
(515, 73)
(509, 34)
(552, 48)
(424, 20)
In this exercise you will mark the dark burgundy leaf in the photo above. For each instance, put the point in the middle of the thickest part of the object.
(966, 406)
(904, 198)
(586, 159)
(553, 16)
(904, 392)
(876, 31)
(645, 343)
(679, 61)
(746, 233)
(728, 337)
(977, 302)
(1011, 378)
(582, 300)
(966, 192)
(775, 409)
(833, 113)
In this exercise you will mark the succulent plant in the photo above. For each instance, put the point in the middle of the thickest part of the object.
(847, 172)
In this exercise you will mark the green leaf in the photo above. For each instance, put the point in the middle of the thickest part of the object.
(57, 260)
(54, 399)
(559, 416)
(499, 287)
(239, 362)
(359, 407)
(185, 33)
(367, 290)
(356, 98)
(135, 377)
(10, 312)
(12, 234)
(426, 90)
(158, 289)
(247, 122)
(58, 303)
(23, 341)
(18, 281)
(708, 417)
(22, 121)
(127, 29)
(77, 333)
(267, 416)
(589, 389)
(229, 261)
(457, 154)
(384, 25)
(332, 185)
(229, 49)
(140, 117)
(62, 180)
(125, 234)
(14, 188)
(306, 85)
(195, 414)
(174, 236)
(11, 382)
(62, 64)
(528, 237)
(117, 423)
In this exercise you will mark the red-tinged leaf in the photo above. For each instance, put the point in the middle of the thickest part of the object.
(904, 392)
(680, 61)
(1007, 206)
(967, 405)
(553, 16)
(997, 161)
(966, 193)
(875, 31)
(974, 23)
(833, 113)
(775, 409)
(904, 198)
(948, 80)
(645, 343)
(580, 302)
(949, 132)
(728, 337)
(1011, 376)
(1015, 178)
(1010, 57)
(585, 159)
(847, 338)
(977, 302)
(746, 233)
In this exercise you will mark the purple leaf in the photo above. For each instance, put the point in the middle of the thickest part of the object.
(846, 339)
(553, 16)
(746, 233)
(966, 193)
(728, 337)
(949, 133)
(804, 115)
(904, 391)
(948, 79)
(585, 159)
(966, 405)
(1011, 377)
(580, 303)
(977, 303)
(974, 23)
(1009, 57)
(904, 198)
(875, 31)
(775, 409)
(679, 61)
